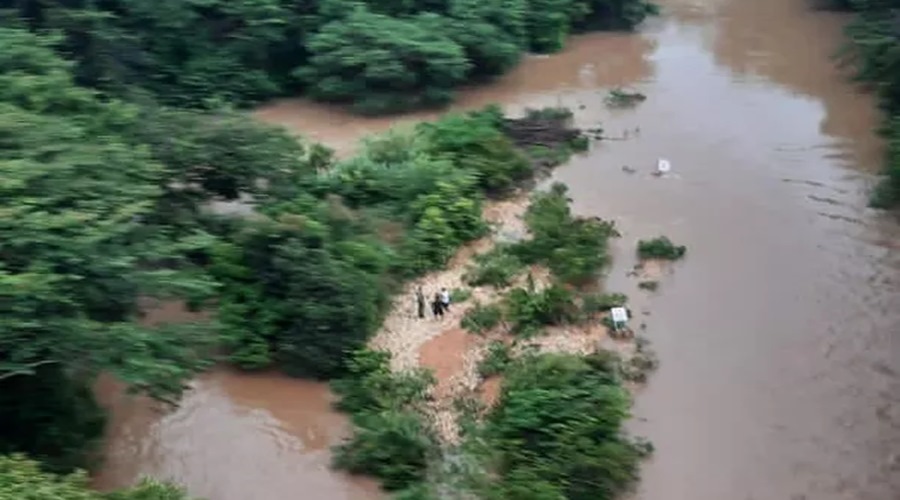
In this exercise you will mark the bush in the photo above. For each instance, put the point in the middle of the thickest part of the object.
(650, 286)
(528, 309)
(574, 249)
(495, 360)
(496, 268)
(392, 445)
(480, 319)
(593, 303)
(557, 429)
(474, 142)
(371, 386)
(458, 295)
(660, 248)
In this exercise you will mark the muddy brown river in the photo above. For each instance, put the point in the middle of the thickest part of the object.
(779, 334)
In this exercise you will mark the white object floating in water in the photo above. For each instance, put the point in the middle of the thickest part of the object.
(663, 166)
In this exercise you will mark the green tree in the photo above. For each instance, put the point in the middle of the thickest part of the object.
(75, 258)
(379, 63)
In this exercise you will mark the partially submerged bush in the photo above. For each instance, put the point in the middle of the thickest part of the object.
(575, 249)
(650, 286)
(624, 98)
(660, 248)
(391, 445)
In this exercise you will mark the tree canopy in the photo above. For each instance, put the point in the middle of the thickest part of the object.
(75, 257)
(379, 56)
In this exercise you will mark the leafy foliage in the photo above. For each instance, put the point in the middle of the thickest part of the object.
(379, 56)
(383, 63)
(660, 248)
(595, 303)
(482, 318)
(391, 440)
(556, 431)
(496, 268)
(496, 359)
(575, 249)
(528, 309)
(23, 479)
(75, 257)
(475, 142)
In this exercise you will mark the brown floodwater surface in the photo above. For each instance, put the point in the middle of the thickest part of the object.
(234, 436)
(779, 334)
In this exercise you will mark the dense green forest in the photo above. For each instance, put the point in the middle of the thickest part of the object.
(110, 163)
(379, 56)
(874, 47)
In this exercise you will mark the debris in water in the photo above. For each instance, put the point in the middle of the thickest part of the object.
(662, 167)
(624, 98)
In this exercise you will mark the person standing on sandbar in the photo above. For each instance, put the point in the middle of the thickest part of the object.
(420, 302)
(437, 307)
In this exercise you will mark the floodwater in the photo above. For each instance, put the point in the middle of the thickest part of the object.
(234, 436)
(779, 334)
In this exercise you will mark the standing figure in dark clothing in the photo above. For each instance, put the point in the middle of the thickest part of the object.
(437, 306)
(420, 302)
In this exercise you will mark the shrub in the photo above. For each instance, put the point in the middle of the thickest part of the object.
(496, 268)
(458, 295)
(495, 360)
(660, 248)
(474, 142)
(558, 429)
(481, 318)
(371, 386)
(574, 249)
(529, 309)
(596, 303)
(649, 285)
(391, 445)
